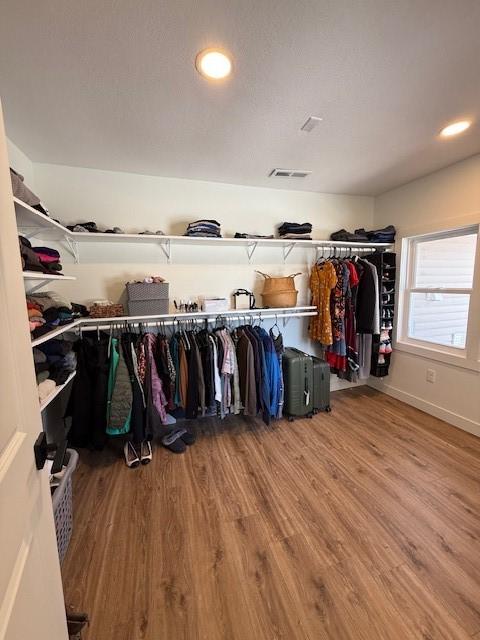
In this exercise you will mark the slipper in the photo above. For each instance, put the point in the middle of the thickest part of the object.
(173, 441)
(188, 437)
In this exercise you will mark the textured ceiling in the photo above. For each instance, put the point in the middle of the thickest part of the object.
(112, 85)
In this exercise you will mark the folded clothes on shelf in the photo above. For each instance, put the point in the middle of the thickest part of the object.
(159, 232)
(32, 261)
(253, 236)
(84, 227)
(23, 193)
(204, 229)
(45, 388)
(49, 310)
(345, 236)
(54, 361)
(295, 230)
(387, 234)
(297, 236)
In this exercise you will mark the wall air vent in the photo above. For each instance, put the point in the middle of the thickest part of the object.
(288, 173)
(311, 123)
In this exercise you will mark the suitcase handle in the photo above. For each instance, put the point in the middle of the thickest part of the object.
(306, 392)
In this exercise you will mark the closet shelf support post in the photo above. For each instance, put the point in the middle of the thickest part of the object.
(165, 246)
(287, 250)
(72, 248)
(251, 246)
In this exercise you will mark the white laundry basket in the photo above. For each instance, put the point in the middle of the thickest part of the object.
(62, 505)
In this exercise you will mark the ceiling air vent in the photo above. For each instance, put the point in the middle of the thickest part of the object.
(288, 173)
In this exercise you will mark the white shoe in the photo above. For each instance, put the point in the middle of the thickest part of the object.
(146, 452)
(131, 456)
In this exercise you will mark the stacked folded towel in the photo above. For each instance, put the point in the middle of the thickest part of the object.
(295, 231)
(49, 310)
(204, 229)
(54, 361)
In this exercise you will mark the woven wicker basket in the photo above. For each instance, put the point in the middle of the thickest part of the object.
(272, 285)
(106, 310)
(280, 299)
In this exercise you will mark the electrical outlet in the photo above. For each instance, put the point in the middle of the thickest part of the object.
(431, 375)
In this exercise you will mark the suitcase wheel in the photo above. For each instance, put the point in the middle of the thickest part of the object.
(291, 418)
(328, 408)
(315, 411)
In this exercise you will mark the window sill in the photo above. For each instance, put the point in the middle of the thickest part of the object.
(436, 353)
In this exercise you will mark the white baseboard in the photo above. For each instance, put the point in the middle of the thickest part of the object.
(439, 412)
(337, 384)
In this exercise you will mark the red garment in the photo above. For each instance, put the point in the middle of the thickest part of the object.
(34, 305)
(46, 259)
(337, 362)
(354, 279)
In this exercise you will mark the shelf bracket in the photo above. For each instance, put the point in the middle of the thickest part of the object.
(251, 246)
(36, 286)
(287, 250)
(32, 234)
(72, 247)
(167, 250)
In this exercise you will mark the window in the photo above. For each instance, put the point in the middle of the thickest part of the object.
(438, 285)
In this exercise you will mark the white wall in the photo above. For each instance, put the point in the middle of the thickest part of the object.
(445, 199)
(21, 163)
(136, 202)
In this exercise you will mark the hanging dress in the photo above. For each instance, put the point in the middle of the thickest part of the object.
(323, 279)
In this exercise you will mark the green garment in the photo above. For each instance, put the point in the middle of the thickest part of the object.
(114, 430)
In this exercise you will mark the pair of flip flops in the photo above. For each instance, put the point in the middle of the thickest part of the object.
(178, 439)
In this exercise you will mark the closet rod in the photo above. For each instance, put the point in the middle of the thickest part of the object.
(187, 315)
(105, 323)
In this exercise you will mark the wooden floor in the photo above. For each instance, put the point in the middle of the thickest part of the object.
(359, 524)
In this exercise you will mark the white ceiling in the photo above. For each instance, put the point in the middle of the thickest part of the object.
(112, 85)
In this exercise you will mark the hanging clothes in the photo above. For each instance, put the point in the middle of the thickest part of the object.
(155, 400)
(347, 295)
(336, 353)
(322, 280)
(127, 382)
(119, 394)
(279, 350)
(87, 404)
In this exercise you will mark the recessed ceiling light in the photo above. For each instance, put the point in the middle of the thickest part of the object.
(455, 128)
(213, 64)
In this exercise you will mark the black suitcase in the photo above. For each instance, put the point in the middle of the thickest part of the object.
(298, 381)
(321, 385)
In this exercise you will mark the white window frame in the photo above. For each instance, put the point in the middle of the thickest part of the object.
(467, 357)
